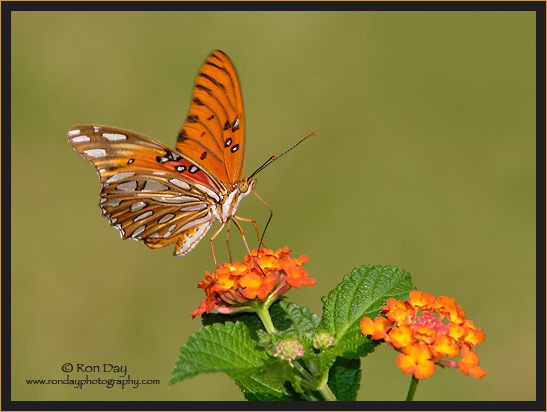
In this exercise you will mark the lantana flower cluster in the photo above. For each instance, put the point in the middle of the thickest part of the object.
(289, 349)
(263, 275)
(427, 330)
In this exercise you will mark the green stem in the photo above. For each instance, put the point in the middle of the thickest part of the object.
(412, 388)
(321, 386)
(264, 316)
(305, 374)
(324, 389)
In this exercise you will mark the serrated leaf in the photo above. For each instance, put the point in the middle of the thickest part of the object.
(361, 293)
(319, 363)
(344, 378)
(219, 347)
(303, 321)
(287, 317)
(262, 388)
(283, 371)
(354, 344)
(279, 316)
(250, 320)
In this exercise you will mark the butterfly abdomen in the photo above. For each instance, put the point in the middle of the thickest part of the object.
(190, 238)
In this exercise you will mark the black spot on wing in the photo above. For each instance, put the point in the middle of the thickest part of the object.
(183, 136)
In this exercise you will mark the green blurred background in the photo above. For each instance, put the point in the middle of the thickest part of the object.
(425, 159)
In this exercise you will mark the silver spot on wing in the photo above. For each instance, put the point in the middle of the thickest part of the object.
(114, 136)
(127, 186)
(211, 194)
(80, 139)
(135, 207)
(166, 218)
(180, 183)
(192, 208)
(143, 215)
(120, 176)
(95, 152)
(138, 231)
(119, 227)
(195, 222)
(153, 186)
(178, 199)
(114, 202)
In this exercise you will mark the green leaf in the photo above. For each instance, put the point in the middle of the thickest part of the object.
(303, 322)
(319, 363)
(262, 388)
(344, 378)
(251, 320)
(361, 293)
(220, 347)
(354, 344)
(287, 317)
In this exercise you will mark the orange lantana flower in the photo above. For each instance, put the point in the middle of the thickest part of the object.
(469, 363)
(264, 275)
(377, 329)
(416, 360)
(427, 330)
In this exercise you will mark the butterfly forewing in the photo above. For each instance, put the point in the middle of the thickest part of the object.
(143, 195)
(214, 132)
(161, 195)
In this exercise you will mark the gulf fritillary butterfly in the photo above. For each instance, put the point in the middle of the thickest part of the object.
(160, 195)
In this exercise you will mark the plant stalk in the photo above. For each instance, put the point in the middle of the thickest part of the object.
(324, 389)
(412, 388)
(264, 316)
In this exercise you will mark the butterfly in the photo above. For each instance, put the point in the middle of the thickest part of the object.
(160, 195)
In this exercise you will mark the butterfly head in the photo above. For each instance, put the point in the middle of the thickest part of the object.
(246, 186)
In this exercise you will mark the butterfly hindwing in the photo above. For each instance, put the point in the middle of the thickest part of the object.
(150, 192)
(160, 195)
(214, 131)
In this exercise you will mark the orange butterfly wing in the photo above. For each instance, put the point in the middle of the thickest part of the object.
(160, 195)
(214, 132)
(150, 192)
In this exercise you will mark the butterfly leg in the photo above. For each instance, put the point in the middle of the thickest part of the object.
(228, 240)
(242, 219)
(211, 242)
(245, 241)
(242, 235)
(269, 219)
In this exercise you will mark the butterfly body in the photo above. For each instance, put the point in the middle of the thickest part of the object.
(225, 209)
(162, 195)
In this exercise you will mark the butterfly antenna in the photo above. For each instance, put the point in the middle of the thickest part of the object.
(273, 158)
